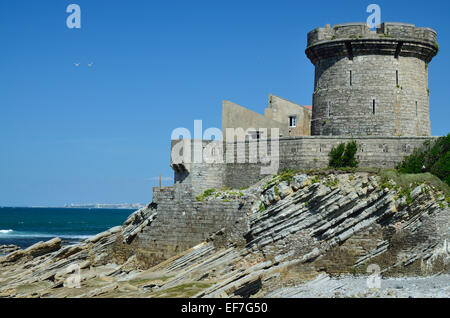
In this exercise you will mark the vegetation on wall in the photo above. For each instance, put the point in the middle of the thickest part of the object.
(433, 157)
(344, 155)
(205, 194)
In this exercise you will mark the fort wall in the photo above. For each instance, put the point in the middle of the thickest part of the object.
(184, 222)
(306, 152)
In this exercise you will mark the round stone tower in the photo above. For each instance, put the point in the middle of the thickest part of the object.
(371, 82)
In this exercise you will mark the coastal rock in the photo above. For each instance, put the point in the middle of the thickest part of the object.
(105, 234)
(38, 249)
(6, 249)
(310, 231)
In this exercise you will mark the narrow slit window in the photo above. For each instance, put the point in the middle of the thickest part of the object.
(329, 109)
(351, 79)
(373, 106)
(416, 108)
(396, 77)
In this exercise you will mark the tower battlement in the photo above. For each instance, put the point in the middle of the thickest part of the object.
(361, 31)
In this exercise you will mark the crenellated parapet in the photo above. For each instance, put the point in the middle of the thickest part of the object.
(350, 39)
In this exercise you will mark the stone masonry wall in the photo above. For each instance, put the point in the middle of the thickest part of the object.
(183, 222)
(305, 152)
(346, 90)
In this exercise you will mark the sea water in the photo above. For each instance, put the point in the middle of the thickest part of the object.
(27, 226)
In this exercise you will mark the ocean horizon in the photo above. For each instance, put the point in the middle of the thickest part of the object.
(25, 226)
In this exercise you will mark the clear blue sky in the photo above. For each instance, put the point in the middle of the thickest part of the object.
(101, 133)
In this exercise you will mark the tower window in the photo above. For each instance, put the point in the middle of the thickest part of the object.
(351, 80)
(396, 77)
(329, 109)
(416, 108)
(373, 106)
(292, 121)
(255, 135)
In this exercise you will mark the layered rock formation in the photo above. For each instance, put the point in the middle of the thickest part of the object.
(6, 249)
(300, 228)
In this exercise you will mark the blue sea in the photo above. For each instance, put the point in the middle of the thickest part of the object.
(27, 226)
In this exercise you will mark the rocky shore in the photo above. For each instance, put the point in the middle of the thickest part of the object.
(6, 249)
(308, 235)
(357, 287)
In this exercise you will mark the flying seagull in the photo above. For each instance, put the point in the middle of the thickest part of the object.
(76, 64)
(90, 64)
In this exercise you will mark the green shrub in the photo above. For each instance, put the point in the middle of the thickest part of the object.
(405, 192)
(441, 168)
(412, 180)
(431, 157)
(384, 183)
(349, 155)
(287, 175)
(208, 192)
(344, 155)
(332, 183)
(205, 194)
(262, 207)
(336, 155)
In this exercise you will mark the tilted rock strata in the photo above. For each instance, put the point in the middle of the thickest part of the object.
(296, 230)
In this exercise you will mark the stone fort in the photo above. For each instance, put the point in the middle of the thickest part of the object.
(369, 86)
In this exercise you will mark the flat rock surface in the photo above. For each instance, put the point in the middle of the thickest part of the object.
(362, 286)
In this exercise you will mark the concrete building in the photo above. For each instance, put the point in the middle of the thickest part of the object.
(291, 119)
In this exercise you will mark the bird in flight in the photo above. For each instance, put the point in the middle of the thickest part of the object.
(76, 64)
(90, 64)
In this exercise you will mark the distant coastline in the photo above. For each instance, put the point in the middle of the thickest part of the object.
(112, 206)
(126, 206)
